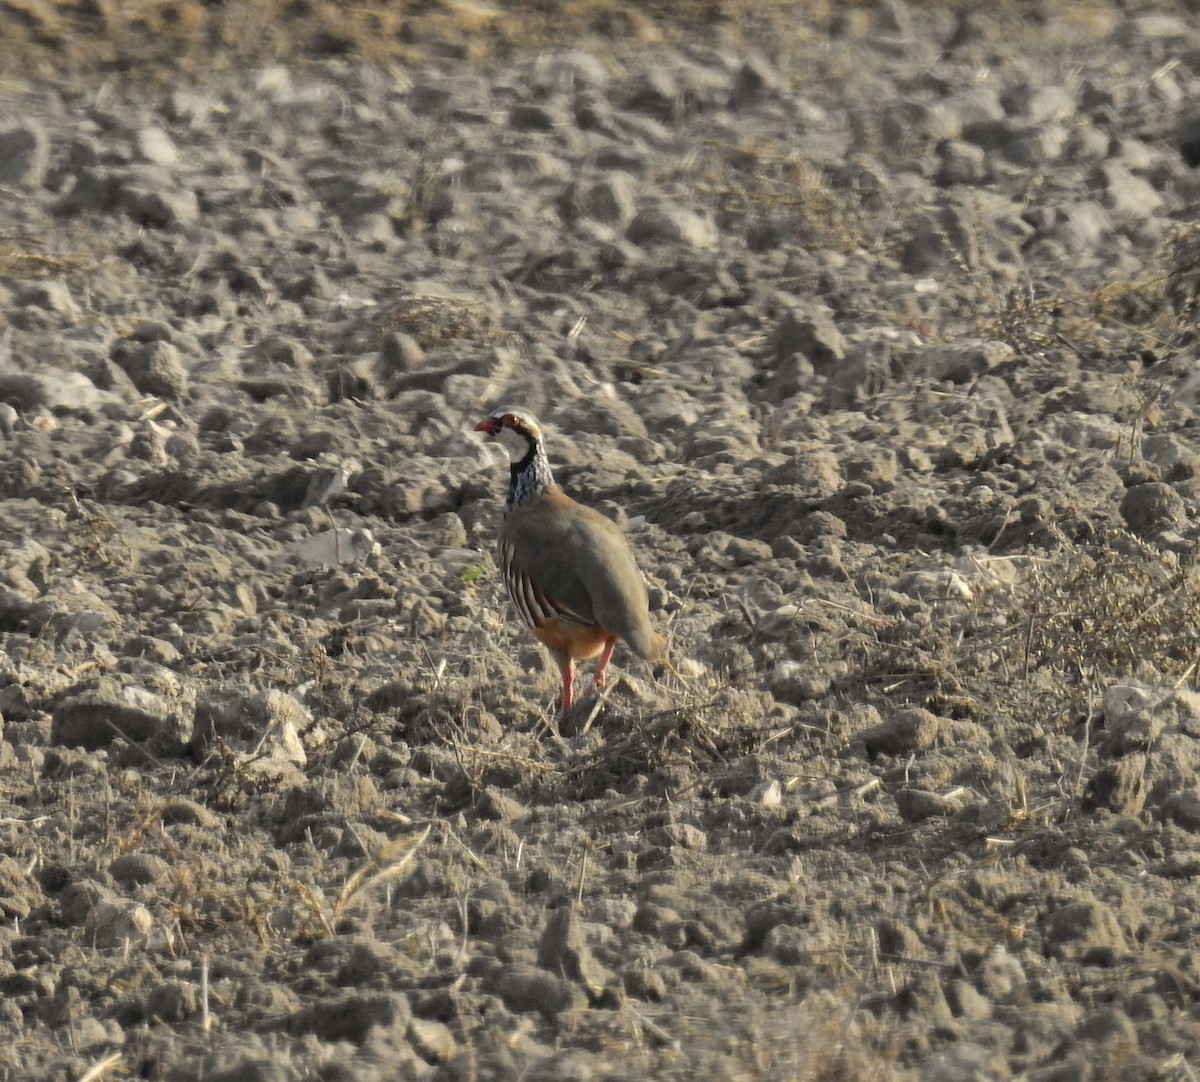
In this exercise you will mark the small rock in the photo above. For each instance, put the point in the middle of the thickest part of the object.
(352, 1017)
(568, 69)
(1119, 786)
(154, 367)
(791, 945)
(353, 380)
(916, 805)
(810, 333)
(350, 961)
(1179, 711)
(1036, 146)
(284, 350)
(656, 92)
(965, 1061)
(1039, 102)
(188, 812)
(898, 941)
(876, 467)
(745, 551)
(1108, 1026)
(110, 711)
(170, 1001)
(691, 967)
(907, 120)
(265, 728)
(642, 982)
(525, 989)
(76, 900)
(537, 118)
(492, 803)
(1001, 977)
(400, 353)
(947, 236)
(115, 922)
(610, 200)
(153, 649)
(1179, 866)
(1127, 195)
(331, 548)
(1182, 807)
(1119, 699)
(1081, 227)
(139, 868)
(678, 836)
(155, 146)
(51, 295)
(564, 951)
(754, 80)
(24, 154)
(72, 392)
(769, 794)
(962, 362)
(1084, 931)
(1153, 26)
(158, 207)
(960, 162)
(1133, 731)
(671, 225)
(1152, 507)
(1071, 1068)
(908, 730)
(433, 1041)
(941, 584)
(614, 911)
(92, 190)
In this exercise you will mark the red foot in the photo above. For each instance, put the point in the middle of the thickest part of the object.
(602, 664)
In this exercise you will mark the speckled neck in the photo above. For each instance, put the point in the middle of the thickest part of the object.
(530, 477)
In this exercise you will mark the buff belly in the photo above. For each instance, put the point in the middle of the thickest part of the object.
(578, 641)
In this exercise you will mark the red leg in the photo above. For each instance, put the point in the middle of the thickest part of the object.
(602, 664)
(567, 668)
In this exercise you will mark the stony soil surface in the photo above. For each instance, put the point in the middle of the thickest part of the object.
(874, 328)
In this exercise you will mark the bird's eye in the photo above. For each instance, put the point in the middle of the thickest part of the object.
(509, 420)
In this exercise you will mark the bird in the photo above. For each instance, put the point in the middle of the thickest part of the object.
(568, 569)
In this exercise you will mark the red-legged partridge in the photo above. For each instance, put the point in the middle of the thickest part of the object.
(568, 569)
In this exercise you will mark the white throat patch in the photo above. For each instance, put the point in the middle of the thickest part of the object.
(514, 443)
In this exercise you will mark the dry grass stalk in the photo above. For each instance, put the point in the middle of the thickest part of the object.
(392, 863)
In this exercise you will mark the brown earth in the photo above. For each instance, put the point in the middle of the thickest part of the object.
(874, 326)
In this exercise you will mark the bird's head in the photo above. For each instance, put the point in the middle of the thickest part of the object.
(516, 429)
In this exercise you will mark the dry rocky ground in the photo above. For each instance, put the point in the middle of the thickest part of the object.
(874, 326)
